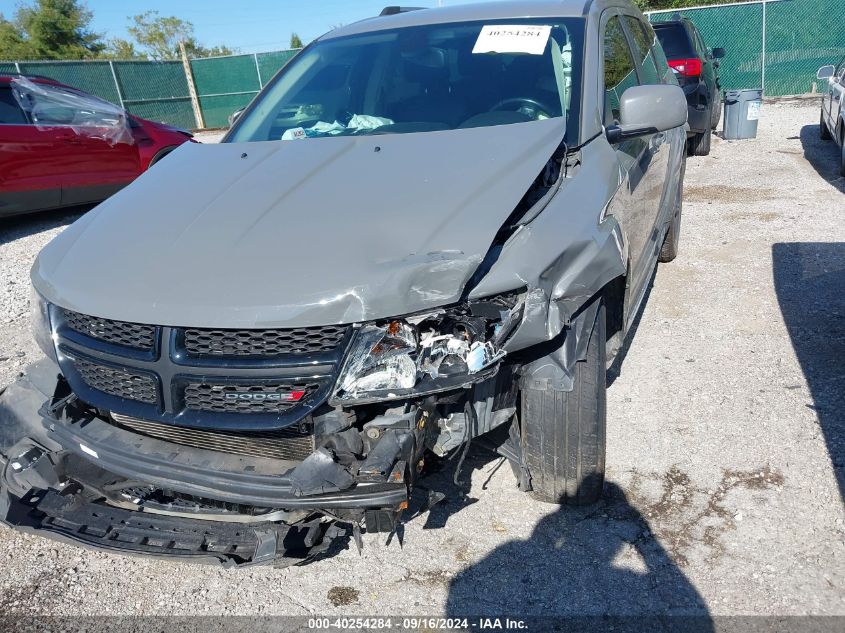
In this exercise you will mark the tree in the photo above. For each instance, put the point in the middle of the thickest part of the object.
(122, 49)
(295, 41)
(158, 38)
(12, 43)
(50, 29)
(195, 50)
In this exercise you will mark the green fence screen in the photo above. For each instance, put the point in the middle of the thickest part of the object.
(226, 84)
(93, 77)
(156, 91)
(271, 63)
(159, 90)
(776, 45)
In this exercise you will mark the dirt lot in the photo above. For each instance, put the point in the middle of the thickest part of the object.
(725, 443)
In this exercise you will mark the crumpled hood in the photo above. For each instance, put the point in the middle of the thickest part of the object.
(295, 233)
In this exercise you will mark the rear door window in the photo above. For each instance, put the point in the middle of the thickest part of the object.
(642, 49)
(10, 111)
(699, 43)
(619, 69)
(660, 57)
(673, 38)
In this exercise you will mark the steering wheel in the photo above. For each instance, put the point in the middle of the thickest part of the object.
(533, 106)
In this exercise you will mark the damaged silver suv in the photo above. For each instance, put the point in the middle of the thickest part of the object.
(431, 224)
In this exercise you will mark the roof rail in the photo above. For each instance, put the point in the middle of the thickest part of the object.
(393, 10)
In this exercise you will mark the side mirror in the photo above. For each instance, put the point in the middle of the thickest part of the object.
(826, 72)
(718, 53)
(234, 116)
(647, 110)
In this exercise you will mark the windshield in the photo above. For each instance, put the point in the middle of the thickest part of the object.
(423, 79)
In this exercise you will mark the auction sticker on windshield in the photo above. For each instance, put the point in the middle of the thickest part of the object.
(505, 38)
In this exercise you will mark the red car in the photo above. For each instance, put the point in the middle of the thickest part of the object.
(60, 146)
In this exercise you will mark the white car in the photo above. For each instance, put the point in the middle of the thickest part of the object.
(832, 124)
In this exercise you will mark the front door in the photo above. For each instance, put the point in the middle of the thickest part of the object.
(104, 156)
(32, 160)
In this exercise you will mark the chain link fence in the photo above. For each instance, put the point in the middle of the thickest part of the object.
(159, 90)
(776, 45)
(226, 84)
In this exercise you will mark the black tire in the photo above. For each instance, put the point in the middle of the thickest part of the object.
(563, 432)
(669, 250)
(699, 145)
(716, 110)
(824, 133)
(842, 155)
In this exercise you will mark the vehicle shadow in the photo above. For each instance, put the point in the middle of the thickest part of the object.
(19, 226)
(810, 285)
(822, 155)
(593, 566)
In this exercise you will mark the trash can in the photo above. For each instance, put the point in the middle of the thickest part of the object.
(742, 109)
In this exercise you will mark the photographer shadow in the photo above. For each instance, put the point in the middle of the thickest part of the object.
(590, 566)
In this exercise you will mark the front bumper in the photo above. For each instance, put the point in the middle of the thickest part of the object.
(71, 520)
(67, 477)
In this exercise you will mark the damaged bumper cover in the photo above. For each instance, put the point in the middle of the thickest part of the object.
(75, 477)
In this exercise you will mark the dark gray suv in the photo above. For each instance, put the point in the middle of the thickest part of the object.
(696, 68)
(431, 225)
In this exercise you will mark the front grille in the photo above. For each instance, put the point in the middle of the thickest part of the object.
(199, 377)
(119, 382)
(132, 335)
(287, 444)
(261, 343)
(233, 398)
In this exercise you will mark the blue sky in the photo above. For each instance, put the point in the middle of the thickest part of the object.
(250, 25)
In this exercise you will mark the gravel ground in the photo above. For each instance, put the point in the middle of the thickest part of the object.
(725, 443)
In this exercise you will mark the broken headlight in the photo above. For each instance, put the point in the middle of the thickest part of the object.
(423, 354)
(381, 359)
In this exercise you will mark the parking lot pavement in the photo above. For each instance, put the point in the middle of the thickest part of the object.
(725, 443)
(212, 136)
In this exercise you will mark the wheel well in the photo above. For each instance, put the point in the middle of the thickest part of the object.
(614, 301)
(161, 154)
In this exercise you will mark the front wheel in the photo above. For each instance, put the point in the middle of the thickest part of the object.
(669, 250)
(842, 155)
(563, 432)
(824, 133)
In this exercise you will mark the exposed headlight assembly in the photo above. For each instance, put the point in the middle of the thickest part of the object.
(444, 350)
(42, 330)
(381, 359)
